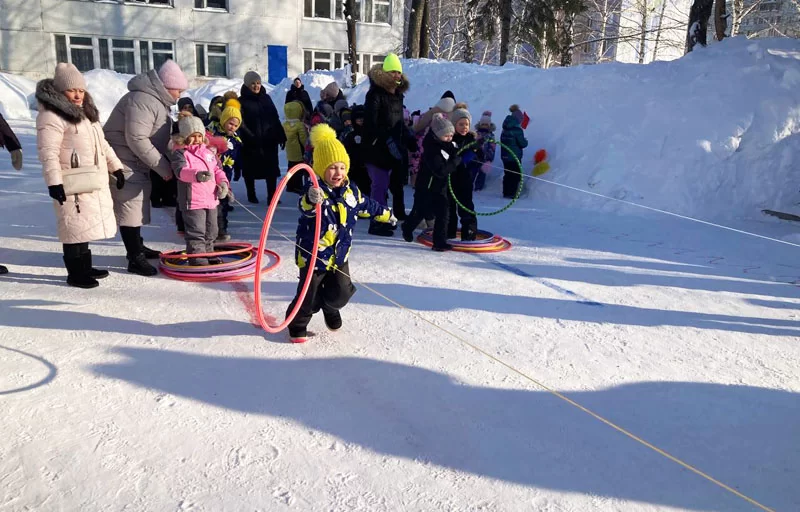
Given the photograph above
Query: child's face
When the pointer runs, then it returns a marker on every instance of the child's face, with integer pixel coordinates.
(231, 125)
(335, 174)
(195, 138)
(360, 121)
(462, 126)
(348, 123)
(447, 138)
(187, 108)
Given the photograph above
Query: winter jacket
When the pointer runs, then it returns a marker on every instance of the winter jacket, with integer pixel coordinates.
(512, 137)
(295, 130)
(187, 162)
(138, 130)
(439, 160)
(300, 94)
(486, 149)
(358, 172)
(341, 208)
(64, 130)
(231, 163)
(470, 157)
(7, 137)
(383, 120)
(261, 133)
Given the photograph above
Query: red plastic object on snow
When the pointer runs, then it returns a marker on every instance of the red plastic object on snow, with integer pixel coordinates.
(540, 156)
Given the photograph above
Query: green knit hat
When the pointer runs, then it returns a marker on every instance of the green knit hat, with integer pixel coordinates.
(392, 63)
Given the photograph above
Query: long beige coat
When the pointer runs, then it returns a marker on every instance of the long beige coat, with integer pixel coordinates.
(61, 129)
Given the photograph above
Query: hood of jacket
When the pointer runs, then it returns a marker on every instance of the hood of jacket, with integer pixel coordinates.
(50, 99)
(149, 83)
(382, 79)
(511, 122)
(293, 110)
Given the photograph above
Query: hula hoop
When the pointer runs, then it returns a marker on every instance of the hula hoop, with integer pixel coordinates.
(239, 247)
(243, 264)
(513, 199)
(273, 329)
(224, 276)
(490, 242)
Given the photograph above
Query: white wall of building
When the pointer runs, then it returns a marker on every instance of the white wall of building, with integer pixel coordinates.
(28, 32)
(673, 30)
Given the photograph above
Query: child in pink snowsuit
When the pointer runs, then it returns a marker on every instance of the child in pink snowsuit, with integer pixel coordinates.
(201, 183)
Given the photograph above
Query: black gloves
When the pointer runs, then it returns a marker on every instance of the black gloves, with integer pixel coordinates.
(120, 179)
(57, 193)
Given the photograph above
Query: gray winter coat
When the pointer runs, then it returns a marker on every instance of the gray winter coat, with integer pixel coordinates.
(138, 130)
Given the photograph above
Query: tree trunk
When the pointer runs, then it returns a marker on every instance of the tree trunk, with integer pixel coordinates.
(425, 35)
(736, 17)
(352, 54)
(658, 30)
(698, 23)
(567, 36)
(720, 21)
(505, 29)
(414, 29)
(601, 44)
(643, 10)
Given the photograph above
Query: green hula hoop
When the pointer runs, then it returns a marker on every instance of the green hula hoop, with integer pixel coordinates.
(513, 199)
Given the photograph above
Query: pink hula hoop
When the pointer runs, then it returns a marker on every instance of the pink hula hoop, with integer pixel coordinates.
(273, 329)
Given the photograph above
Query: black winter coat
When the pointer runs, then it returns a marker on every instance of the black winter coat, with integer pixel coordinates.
(439, 160)
(300, 94)
(7, 137)
(383, 119)
(261, 134)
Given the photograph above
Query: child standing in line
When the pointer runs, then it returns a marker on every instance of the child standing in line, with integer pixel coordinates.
(461, 179)
(342, 205)
(296, 139)
(352, 143)
(230, 120)
(486, 150)
(515, 140)
(431, 197)
(201, 183)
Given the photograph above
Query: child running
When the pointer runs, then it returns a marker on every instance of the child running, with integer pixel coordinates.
(342, 205)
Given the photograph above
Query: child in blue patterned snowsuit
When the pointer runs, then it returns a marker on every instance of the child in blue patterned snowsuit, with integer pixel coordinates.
(342, 205)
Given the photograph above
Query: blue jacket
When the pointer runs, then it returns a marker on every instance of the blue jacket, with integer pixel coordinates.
(231, 163)
(512, 137)
(341, 208)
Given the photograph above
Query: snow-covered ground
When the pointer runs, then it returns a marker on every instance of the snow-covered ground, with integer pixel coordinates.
(152, 394)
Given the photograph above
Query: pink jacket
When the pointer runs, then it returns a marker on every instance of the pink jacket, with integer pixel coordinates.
(187, 162)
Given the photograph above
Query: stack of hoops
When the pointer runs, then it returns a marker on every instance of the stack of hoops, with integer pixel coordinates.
(239, 261)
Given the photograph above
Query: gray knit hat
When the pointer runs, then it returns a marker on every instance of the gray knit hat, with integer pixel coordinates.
(251, 77)
(460, 113)
(68, 77)
(441, 126)
(188, 125)
(446, 104)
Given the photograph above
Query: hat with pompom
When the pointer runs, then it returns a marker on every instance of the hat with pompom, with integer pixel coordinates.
(327, 149)
(459, 113)
(516, 112)
(486, 118)
(441, 126)
(232, 110)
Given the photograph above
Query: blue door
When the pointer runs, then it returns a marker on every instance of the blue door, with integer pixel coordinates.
(277, 64)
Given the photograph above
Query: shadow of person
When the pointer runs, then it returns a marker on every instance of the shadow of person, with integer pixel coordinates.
(744, 436)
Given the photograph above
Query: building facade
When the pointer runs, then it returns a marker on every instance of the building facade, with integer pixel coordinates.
(208, 38)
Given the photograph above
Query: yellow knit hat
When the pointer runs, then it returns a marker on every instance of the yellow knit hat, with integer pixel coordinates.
(392, 63)
(230, 111)
(327, 149)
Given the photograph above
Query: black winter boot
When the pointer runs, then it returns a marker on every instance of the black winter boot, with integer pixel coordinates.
(96, 273)
(77, 274)
(333, 320)
(150, 254)
(138, 264)
(3, 269)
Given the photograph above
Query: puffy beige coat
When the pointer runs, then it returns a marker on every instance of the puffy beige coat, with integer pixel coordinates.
(61, 129)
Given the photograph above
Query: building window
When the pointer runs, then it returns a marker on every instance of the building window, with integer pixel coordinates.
(328, 60)
(369, 11)
(120, 55)
(211, 59)
(377, 11)
(150, 2)
(221, 5)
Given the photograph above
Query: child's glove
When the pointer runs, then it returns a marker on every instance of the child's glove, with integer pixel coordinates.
(203, 176)
(394, 150)
(120, 176)
(392, 220)
(315, 195)
(486, 167)
(222, 190)
(57, 193)
(467, 157)
(16, 159)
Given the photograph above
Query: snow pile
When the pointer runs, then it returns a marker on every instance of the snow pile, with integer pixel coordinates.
(712, 135)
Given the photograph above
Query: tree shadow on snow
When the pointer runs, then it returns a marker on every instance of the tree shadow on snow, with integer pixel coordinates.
(30, 314)
(744, 436)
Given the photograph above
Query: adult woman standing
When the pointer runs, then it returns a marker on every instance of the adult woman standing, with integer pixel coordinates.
(298, 93)
(138, 130)
(261, 133)
(76, 163)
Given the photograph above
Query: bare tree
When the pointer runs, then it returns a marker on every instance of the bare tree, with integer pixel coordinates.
(425, 32)
(720, 20)
(352, 54)
(698, 23)
(415, 28)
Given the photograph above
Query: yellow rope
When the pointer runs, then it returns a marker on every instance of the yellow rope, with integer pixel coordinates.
(536, 382)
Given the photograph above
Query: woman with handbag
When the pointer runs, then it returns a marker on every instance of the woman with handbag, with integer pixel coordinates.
(78, 165)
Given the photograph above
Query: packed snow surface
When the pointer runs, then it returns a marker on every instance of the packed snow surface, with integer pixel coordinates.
(153, 394)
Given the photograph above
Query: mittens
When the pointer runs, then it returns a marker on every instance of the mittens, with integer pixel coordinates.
(315, 195)
(203, 176)
(393, 149)
(57, 193)
(222, 190)
(467, 157)
(393, 220)
(120, 179)
(16, 159)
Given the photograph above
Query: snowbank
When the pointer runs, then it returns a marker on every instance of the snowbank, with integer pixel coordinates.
(712, 135)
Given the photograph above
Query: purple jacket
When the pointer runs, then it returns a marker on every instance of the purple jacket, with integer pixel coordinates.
(187, 162)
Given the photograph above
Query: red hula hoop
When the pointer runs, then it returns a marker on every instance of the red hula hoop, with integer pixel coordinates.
(273, 329)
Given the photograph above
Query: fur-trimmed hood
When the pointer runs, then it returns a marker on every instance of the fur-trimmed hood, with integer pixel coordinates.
(50, 99)
(382, 79)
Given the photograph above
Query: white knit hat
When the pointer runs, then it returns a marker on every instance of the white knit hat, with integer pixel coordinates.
(446, 104)
(188, 125)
